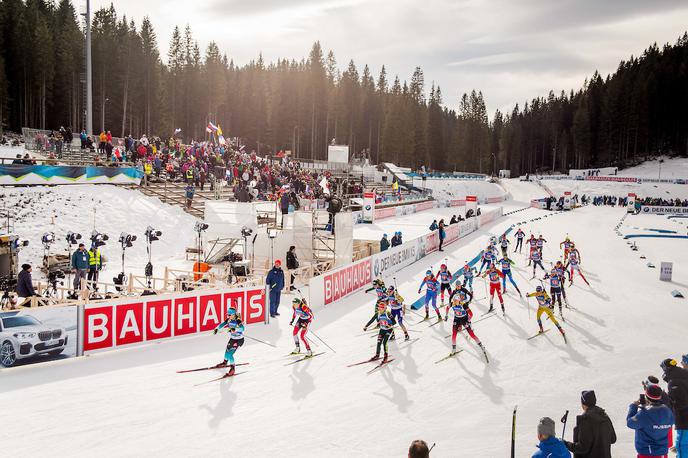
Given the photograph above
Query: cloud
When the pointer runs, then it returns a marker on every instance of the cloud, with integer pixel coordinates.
(511, 50)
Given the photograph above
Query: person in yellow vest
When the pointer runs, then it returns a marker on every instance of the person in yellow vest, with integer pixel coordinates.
(95, 263)
(102, 140)
(147, 171)
(189, 175)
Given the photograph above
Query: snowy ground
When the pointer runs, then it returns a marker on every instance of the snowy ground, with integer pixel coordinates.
(458, 189)
(670, 168)
(131, 402)
(109, 209)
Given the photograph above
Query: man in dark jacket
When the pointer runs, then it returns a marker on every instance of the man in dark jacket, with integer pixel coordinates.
(80, 265)
(594, 433)
(292, 263)
(384, 243)
(677, 388)
(25, 283)
(275, 282)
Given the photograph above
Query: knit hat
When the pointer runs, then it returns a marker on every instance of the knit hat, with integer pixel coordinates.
(546, 427)
(653, 393)
(667, 363)
(588, 398)
(26, 266)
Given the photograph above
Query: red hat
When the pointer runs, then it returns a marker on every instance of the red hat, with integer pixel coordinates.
(278, 262)
(653, 393)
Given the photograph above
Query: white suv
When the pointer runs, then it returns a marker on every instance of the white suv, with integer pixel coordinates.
(23, 336)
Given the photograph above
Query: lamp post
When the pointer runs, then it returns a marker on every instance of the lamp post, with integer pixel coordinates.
(105, 100)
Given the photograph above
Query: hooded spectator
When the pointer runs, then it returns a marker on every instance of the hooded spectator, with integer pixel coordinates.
(384, 243)
(677, 388)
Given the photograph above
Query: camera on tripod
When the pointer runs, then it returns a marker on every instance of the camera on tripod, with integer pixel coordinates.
(55, 275)
(200, 226)
(98, 239)
(8, 283)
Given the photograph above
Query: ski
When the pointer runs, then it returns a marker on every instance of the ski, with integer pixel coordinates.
(513, 433)
(304, 358)
(563, 334)
(450, 355)
(384, 363)
(208, 368)
(487, 359)
(538, 334)
(436, 322)
(371, 360)
(485, 316)
(220, 378)
(488, 312)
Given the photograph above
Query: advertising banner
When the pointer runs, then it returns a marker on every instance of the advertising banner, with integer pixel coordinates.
(419, 207)
(19, 174)
(471, 203)
(613, 178)
(652, 210)
(567, 200)
(630, 203)
(339, 283)
(665, 271)
(105, 326)
(368, 207)
(382, 213)
(35, 335)
(394, 259)
(457, 202)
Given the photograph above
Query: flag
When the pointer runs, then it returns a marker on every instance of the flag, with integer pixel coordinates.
(219, 130)
(325, 185)
(221, 140)
(176, 131)
(212, 127)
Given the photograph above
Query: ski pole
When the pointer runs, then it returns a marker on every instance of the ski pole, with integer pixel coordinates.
(318, 337)
(563, 420)
(433, 446)
(261, 341)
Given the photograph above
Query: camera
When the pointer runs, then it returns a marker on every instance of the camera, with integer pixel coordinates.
(98, 239)
(641, 400)
(120, 281)
(72, 238)
(54, 276)
(126, 239)
(200, 226)
(8, 283)
(246, 231)
(149, 270)
(152, 235)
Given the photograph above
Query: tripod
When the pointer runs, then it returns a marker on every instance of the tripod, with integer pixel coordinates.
(5, 300)
(149, 266)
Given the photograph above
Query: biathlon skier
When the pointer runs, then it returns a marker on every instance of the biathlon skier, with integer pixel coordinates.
(303, 316)
(386, 323)
(506, 263)
(495, 277)
(545, 306)
(396, 303)
(520, 235)
(445, 277)
(431, 286)
(235, 327)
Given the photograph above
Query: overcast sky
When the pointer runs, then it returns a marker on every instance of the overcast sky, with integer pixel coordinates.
(512, 50)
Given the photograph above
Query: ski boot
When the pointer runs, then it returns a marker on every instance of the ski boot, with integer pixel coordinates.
(296, 350)
(427, 315)
(406, 337)
(446, 316)
(439, 317)
(222, 364)
(453, 350)
(375, 358)
(231, 370)
(491, 309)
(503, 311)
(385, 359)
(309, 353)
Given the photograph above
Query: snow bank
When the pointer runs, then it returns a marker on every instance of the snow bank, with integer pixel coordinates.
(671, 168)
(446, 189)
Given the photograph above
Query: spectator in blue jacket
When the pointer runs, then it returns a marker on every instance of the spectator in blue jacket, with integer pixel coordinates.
(442, 233)
(651, 422)
(80, 265)
(549, 446)
(384, 243)
(275, 281)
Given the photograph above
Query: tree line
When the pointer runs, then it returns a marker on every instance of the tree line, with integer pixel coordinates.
(303, 105)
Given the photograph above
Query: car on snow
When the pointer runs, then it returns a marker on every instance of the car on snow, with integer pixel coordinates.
(23, 336)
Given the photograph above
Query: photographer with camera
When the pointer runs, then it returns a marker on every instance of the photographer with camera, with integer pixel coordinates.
(25, 285)
(80, 265)
(651, 421)
(292, 263)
